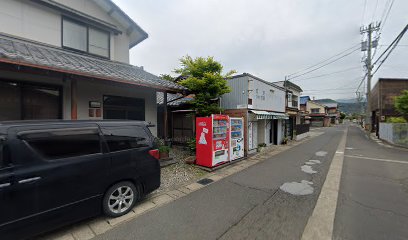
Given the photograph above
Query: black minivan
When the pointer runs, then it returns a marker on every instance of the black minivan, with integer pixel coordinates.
(53, 173)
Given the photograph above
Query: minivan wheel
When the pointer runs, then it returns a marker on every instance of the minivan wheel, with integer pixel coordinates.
(120, 199)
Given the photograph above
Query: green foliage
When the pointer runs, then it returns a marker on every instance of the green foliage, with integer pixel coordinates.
(396, 120)
(342, 115)
(206, 81)
(191, 144)
(164, 149)
(167, 77)
(401, 103)
(262, 145)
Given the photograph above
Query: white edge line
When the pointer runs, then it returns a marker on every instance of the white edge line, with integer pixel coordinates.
(377, 159)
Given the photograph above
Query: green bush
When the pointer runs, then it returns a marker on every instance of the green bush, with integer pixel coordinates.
(396, 120)
(191, 144)
(164, 149)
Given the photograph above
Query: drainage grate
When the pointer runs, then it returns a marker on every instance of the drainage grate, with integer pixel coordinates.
(205, 181)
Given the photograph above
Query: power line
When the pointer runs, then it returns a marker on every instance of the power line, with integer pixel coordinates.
(393, 44)
(392, 49)
(327, 74)
(364, 10)
(321, 62)
(328, 63)
(375, 10)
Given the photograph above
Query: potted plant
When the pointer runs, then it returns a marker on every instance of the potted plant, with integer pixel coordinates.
(285, 140)
(164, 151)
(261, 146)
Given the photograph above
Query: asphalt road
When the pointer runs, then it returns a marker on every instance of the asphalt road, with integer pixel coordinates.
(246, 205)
(373, 196)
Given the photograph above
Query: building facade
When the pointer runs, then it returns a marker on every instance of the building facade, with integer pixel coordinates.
(261, 104)
(318, 114)
(382, 100)
(292, 108)
(69, 59)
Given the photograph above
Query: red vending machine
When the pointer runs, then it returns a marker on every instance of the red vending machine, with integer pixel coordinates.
(212, 140)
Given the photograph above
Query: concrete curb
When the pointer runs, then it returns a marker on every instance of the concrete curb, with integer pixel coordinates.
(86, 231)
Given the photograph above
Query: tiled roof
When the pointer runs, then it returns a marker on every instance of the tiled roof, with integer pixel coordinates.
(173, 99)
(37, 55)
(327, 102)
(304, 99)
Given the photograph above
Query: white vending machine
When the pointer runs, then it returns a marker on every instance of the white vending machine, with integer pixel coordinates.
(236, 138)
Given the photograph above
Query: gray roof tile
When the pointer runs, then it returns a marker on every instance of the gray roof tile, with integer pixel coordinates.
(58, 59)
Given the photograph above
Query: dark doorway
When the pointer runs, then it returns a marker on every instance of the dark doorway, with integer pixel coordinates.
(115, 107)
(25, 101)
(275, 132)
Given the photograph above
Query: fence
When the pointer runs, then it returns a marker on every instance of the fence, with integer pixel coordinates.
(395, 133)
(302, 128)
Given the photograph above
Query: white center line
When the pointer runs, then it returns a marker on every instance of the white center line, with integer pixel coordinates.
(321, 222)
(377, 159)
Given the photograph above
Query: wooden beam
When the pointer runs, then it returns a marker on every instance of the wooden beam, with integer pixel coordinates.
(165, 124)
(74, 106)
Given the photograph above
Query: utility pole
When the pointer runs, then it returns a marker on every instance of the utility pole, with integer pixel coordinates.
(369, 30)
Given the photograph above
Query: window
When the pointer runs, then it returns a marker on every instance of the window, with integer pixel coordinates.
(84, 38)
(64, 143)
(249, 101)
(123, 138)
(294, 101)
(2, 151)
(315, 110)
(22, 101)
(115, 107)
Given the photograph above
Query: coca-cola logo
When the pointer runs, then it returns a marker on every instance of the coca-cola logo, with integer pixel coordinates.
(202, 124)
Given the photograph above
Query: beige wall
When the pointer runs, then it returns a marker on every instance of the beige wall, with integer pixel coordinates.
(25, 19)
(310, 105)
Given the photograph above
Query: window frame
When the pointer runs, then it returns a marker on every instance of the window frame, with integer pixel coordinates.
(105, 129)
(87, 26)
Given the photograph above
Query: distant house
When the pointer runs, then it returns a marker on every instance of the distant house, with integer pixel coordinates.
(70, 60)
(332, 109)
(318, 114)
(261, 104)
(382, 99)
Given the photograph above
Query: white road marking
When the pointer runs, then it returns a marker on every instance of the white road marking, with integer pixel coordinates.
(377, 159)
(315, 161)
(321, 153)
(349, 148)
(321, 222)
(339, 152)
(308, 169)
(295, 188)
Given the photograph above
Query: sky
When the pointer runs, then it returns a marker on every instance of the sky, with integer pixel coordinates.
(271, 39)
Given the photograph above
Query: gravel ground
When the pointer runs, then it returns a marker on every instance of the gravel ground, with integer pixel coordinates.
(178, 174)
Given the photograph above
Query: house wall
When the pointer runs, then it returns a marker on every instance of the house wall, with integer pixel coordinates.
(310, 105)
(95, 90)
(265, 96)
(29, 20)
(238, 97)
(90, 90)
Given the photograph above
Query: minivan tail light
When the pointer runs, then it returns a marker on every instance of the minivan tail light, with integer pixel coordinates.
(155, 153)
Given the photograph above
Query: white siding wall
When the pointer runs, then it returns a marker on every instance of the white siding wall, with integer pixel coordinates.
(25, 19)
(265, 99)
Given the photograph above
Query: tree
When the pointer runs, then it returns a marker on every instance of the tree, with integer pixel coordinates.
(167, 77)
(401, 103)
(204, 79)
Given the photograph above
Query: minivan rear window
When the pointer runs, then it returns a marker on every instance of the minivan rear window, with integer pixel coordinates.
(64, 143)
(122, 138)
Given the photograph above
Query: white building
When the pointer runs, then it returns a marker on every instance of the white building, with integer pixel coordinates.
(69, 59)
(261, 104)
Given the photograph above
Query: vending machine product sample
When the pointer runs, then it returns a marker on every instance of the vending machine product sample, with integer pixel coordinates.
(236, 138)
(212, 140)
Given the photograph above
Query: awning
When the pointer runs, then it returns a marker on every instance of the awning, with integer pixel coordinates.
(269, 115)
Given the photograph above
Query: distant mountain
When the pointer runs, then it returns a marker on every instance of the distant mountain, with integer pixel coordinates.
(351, 107)
(348, 100)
